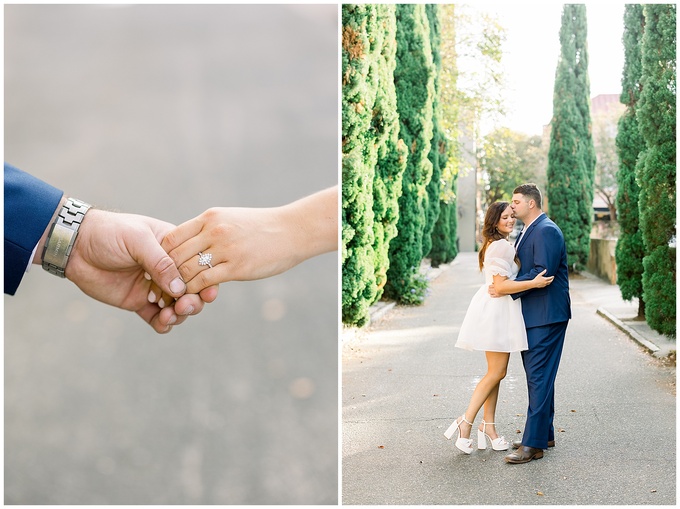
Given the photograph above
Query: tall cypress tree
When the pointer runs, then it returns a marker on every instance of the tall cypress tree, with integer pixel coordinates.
(391, 150)
(571, 158)
(373, 156)
(656, 168)
(414, 82)
(437, 155)
(358, 161)
(629, 142)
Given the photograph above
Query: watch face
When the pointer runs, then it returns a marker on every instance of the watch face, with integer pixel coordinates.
(57, 245)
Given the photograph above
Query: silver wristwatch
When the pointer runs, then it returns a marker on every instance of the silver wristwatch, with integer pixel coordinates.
(62, 236)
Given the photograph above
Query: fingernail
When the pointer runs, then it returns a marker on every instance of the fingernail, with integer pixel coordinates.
(189, 310)
(172, 320)
(177, 285)
(161, 303)
(147, 276)
(152, 296)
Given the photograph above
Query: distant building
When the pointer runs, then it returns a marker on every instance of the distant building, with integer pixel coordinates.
(605, 112)
(605, 103)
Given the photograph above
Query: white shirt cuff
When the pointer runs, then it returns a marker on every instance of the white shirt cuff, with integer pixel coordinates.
(30, 260)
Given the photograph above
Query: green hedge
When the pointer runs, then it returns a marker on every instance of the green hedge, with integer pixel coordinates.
(373, 156)
(392, 144)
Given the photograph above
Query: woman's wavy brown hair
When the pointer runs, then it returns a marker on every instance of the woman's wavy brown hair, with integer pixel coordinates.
(489, 231)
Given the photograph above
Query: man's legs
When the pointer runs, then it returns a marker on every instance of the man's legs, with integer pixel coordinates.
(541, 361)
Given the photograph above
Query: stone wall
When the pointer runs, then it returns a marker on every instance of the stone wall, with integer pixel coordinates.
(602, 259)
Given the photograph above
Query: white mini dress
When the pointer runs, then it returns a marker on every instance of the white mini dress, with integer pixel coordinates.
(494, 324)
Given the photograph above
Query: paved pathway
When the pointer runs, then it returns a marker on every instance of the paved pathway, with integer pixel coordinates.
(403, 384)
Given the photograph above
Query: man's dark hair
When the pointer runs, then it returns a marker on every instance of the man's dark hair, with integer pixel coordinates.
(531, 191)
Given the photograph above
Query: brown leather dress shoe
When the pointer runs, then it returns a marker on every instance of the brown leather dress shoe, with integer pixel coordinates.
(524, 455)
(516, 444)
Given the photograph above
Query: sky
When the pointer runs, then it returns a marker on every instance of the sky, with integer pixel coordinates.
(532, 49)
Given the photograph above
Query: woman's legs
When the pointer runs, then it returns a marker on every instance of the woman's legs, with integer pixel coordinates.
(490, 413)
(486, 393)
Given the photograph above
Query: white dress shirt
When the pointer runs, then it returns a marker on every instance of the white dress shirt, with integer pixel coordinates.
(526, 227)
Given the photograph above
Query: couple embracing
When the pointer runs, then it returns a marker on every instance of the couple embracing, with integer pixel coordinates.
(524, 306)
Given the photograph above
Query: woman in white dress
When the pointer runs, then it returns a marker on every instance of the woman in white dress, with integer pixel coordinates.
(493, 325)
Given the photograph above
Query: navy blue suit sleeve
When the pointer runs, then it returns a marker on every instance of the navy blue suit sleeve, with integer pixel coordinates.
(30, 203)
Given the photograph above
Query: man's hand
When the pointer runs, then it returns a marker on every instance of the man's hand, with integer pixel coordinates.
(108, 261)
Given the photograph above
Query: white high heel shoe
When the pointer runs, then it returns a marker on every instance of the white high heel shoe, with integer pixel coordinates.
(497, 444)
(464, 444)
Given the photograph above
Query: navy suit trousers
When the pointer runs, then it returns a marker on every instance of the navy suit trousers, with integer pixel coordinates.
(541, 361)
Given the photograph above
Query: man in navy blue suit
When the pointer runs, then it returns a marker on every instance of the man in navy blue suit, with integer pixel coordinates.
(106, 254)
(540, 245)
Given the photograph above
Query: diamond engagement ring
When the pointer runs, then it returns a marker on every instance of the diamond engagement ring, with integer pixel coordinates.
(204, 259)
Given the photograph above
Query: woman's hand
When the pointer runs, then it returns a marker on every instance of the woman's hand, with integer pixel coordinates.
(541, 281)
(251, 243)
(245, 244)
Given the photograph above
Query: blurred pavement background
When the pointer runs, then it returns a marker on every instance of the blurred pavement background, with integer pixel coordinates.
(167, 110)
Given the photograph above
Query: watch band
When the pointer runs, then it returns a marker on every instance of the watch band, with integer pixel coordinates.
(62, 236)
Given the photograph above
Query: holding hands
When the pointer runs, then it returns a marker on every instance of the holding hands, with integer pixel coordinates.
(109, 259)
(166, 273)
(161, 272)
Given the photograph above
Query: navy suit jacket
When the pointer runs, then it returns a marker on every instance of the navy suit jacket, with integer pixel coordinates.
(30, 204)
(542, 247)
